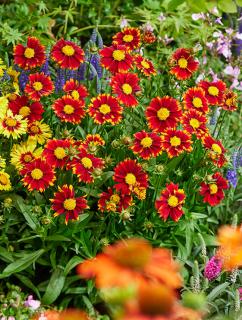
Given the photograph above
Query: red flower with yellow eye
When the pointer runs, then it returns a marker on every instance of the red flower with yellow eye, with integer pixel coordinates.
(38, 175)
(39, 85)
(67, 54)
(30, 110)
(144, 65)
(214, 91)
(66, 203)
(194, 122)
(146, 144)
(129, 37)
(56, 152)
(163, 113)
(170, 202)
(229, 101)
(69, 110)
(175, 142)
(116, 59)
(125, 86)
(30, 56)
(194, 98)
(183, 64)
(215, 150)
(92, 141)
(129, 176)
(112, 201)
(212, 191)
(75, 90)
(105, 109)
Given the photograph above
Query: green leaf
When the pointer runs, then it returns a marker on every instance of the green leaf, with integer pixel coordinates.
(72, 264)
(55, 286)
(57, 237)
(25, 210)
(5, 255)
(228, 6)
(173, 4)
(239, 3)
(216, 291)
(25, 280)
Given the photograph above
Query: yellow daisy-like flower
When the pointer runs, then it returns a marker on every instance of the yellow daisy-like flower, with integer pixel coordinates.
(23, 153)
(2, 163)
(3, 106)
(13, 74)
(39, 132)
(2, 67)
(5, 183)
(12, 125)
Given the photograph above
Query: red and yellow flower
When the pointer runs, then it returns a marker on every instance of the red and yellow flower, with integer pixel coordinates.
(92, 141)
(144, 65)
(214, 91)
(148, 37)
(175, 142)
(194, 98)
(194, 122)
(67, 54)
(183, 64)
(5, 183)
(30, 56)
(12, 125)
(56, 152)
(116, 59)
(66, 203)
(129, 37)
(76, 90)
(125, 86)
(38, 175)
(105, 109)
(163, 113)
(212, 190)
(39, 85)
(39, 132)
(146, 144)
(69, 109)
(229, 101)
(215, 150)
(112, 201)
(170, 202)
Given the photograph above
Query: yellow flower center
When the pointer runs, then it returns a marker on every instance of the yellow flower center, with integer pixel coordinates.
(104, 109)
(10, 122)
(127, 89)
(34, 129)
(163, 113)
(175, 141)
(38, 86)
(197, 102)
(29, 53)
(229, 102)
(145, 64)
(213, 91)
(130, 179)
(173, 201)
(118, 55)
(69, 204)
(68, 50)
(27, 158)
(37, 174)
(194, 123)
(128, 38)
(182, 62)
(115, 198)
(68, 109)
(60, 153)
(3, 179)
(146, 142)
(24, 111)
(216, 148)
(75, 95)
(87, 163)
(213, 188)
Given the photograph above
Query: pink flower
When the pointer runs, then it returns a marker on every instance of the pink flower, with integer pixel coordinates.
(31, 303)
(161, 17)
(230, 71)
(124, 23)
(213, 268)
(197, 16)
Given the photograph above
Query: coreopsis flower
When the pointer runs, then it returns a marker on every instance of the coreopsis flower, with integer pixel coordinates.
(47, 315)
(39, 132)
(13, 125)
(170, 202)
(116, 59)
(163, 113)
(38, 86)
(92, 142)
(3, 67)
(144, 65)
(56, 152)
(14, 74)
(213, 268)
(27, 109)
(229, 101)
(129, 175)
(76, 90)
(23, 153)
(148, 37)
(5, 183)
(215, 150)
(175, 142)
(129, 37)
(112, 201)
(4, 106)
(212, 191)
(72, 314)
(69, 109)
(194, 122)
(67, 54)
(183, 64)
(194, 98)
(146, 144)
(125, 86)
(105, 109)
(65, 202)
(30, 56)
(214, 91)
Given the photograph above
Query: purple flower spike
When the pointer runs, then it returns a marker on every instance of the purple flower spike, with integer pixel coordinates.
(213, 268)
